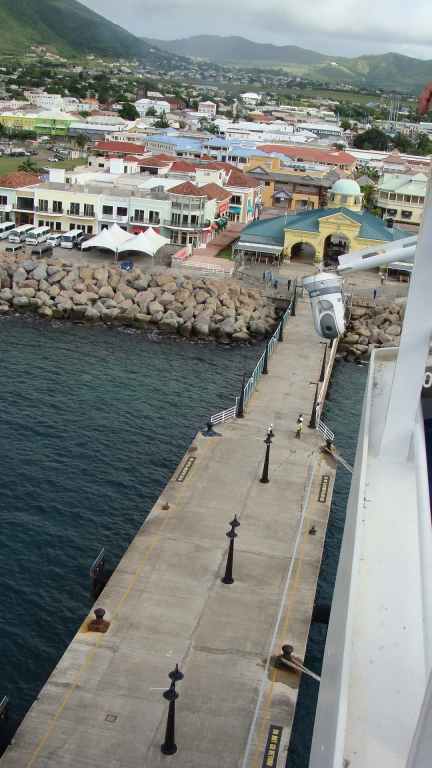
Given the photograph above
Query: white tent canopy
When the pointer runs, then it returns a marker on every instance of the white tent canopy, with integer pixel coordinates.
(156, 240)
(139, 243)
(111, 238)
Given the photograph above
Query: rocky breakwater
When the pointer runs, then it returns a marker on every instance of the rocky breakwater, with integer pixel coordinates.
(371, 328)
(178, 304)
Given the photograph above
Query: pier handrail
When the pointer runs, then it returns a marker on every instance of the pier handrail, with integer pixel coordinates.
(253, 380)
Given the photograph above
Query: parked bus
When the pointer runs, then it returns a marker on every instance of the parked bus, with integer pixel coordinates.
(38, 235)
(19, 234)
(5, 228)
(69, 238)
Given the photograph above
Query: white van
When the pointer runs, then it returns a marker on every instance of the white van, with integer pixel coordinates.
(12, 249)
(5, 228)
(38, 235)
(19, 234)
(54, 238)
(69, 238)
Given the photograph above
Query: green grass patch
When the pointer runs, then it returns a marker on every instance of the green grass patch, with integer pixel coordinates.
(225, 254)
(11, 164)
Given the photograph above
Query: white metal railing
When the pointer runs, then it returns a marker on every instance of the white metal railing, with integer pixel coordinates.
(224, 415)
(325, 431)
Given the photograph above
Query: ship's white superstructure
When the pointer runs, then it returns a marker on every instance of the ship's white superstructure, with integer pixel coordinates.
(375, 699)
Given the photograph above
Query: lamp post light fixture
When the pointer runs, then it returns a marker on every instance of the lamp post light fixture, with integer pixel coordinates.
(265, 477)
(313, 419)
(169, 747)
(323, 367)
(228, 578)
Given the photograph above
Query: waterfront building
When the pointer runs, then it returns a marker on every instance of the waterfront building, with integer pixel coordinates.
(313, 235)
(290, 186)
(344, 161)
(401, 197)
(10, 184)
(18, 120)
(53, 122)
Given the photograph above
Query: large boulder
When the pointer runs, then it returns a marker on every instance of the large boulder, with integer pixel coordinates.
(29, 265)
(155, 307)
(56, 277)
(201, 296)
(20, 302)
(86, 273)
(29, 292)
(182, 295)
(19, 275)
(133, 310)
(394, 330)
(165, 299)
(240, 336)
(101, 275)
(258, 328)
(351, 338)
(384, 338)
(168, 324)
(141, 284)
(125, 305)
(106, 292)
(45, 312)
(6, 294)
(78, 312)
(141, 319)
(186, 329)
(40, 273)
(187, 313)
(201, 329)
(108, 315)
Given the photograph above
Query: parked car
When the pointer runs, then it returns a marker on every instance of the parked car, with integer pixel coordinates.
(44, 169)
(81, 243)
(33, 152)
(127, 265)
(54, 239)
(53, 159)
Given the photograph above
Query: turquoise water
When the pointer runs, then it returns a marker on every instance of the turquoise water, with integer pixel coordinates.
(93, 422)
(342, 414)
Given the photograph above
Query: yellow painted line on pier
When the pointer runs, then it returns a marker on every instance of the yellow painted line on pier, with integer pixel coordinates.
(115, 612)
(289, 610)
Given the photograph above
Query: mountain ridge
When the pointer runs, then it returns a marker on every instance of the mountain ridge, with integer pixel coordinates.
(390, 71)
(69, 26)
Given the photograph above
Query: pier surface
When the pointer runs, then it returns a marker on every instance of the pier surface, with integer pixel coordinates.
(103, 704)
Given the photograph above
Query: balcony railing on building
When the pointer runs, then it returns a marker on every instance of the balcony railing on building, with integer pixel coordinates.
(24, 206)
(51, 211)
(152, 222)
(82, 214)
(113, 217)
(5, 207)
(186, 225)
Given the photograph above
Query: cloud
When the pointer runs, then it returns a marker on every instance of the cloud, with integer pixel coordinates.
(338, 27)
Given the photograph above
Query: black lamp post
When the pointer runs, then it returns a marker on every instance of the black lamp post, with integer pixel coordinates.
(323, 367)
(240, 407)
(313, 419)
(265, 366)
(280, 336)
(228, 578)
(169, 747)
(293, 310)
(265, 477)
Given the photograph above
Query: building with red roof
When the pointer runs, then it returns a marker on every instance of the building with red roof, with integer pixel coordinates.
(120, 148)
(331, 157)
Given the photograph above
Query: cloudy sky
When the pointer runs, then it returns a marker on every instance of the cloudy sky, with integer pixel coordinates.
(338, 27)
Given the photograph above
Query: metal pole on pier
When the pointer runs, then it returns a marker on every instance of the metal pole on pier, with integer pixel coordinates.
(265, 366)
(265, 477)
(169, 747)
(228, 578)
(323, 367)
(240, 409)
(313, 419)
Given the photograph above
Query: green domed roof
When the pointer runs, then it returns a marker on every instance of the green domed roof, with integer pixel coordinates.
(346, 187)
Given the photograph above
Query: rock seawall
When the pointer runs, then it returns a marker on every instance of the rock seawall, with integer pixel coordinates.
(202, 308)
(373, 327)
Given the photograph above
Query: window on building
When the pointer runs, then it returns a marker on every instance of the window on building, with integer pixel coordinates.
(3, 199)
(40, 223)
(154, 217)
(236, 200)
(43, 205)
(399, 198)
(121, 211)
(58, 226)
(344, 198)
(67, 180)
(185, 219)
(71, 226)
(49, 224)
(406, 214)
(194, 219)
(407, 198)
(267, 183)
(100, 165)
(74, 209)
(383, 195)
(139, 215)
(414, 199)
(392, 196)
(57, 206)
(107, 210)
(89, 229)
(175, 218)
(88, 209)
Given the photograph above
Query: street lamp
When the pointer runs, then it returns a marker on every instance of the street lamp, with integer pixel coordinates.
(313, 419)
(265, 477)
(228, 578)
(169, 747)
(323, 367)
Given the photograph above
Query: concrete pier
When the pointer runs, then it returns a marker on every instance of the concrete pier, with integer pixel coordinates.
(103, 704)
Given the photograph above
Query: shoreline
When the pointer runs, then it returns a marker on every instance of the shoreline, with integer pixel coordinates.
(186, 306)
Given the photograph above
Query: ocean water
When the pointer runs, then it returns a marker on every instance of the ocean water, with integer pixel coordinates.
(93, 422)
(342, 414)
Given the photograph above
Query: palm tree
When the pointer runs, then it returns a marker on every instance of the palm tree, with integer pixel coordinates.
(81, 140)
(28, 165)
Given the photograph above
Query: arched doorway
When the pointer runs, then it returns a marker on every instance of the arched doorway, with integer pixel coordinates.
(335, 245)
(303, 252)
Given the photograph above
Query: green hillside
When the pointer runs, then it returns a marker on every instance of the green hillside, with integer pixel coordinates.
(390, 71)
(235, 48)
(67, 25)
